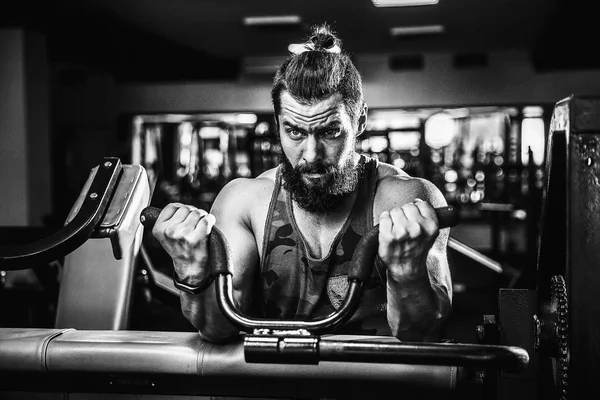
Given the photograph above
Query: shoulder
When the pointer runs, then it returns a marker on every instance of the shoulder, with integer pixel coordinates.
(241, 190)
(396, 188)
(269, 174)
(240, 196)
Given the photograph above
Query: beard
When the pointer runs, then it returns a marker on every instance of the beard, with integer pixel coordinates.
(321, 195)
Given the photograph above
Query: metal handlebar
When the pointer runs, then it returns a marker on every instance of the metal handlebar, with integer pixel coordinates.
(360, 271)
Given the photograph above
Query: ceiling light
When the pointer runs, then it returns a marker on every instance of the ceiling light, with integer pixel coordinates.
(416, 30)
(403, 3)
(272, 20)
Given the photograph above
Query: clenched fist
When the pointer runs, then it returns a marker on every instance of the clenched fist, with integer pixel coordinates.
(183, 232)
(405, 236)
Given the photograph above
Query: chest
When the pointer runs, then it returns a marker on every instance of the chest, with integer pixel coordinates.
(318, 235)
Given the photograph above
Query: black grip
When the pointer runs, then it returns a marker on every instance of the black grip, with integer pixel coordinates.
(362, 261)
(149, 216)
(218, 246)
(366, 250)
(447, 216)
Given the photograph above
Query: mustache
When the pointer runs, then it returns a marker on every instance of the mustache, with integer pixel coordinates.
(315, 168)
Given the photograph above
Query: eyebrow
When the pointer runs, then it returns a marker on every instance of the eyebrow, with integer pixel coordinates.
(331, 125)
(289, 124)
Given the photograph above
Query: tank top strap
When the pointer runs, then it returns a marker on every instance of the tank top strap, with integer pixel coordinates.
(274, 216)
(362, 213)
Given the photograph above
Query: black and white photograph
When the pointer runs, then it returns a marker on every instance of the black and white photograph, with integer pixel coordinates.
(319, 200)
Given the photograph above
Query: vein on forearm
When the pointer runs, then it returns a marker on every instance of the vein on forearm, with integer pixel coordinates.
(416, 308)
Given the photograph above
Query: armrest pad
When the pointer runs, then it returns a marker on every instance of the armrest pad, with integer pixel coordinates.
(184, 354)
(25, 349)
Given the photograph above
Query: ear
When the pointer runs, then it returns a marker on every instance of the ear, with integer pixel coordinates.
(362, 120)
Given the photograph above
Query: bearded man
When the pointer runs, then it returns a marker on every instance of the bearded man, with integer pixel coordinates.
(293, 229)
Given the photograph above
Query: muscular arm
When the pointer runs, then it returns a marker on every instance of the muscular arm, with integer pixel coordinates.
(418, 307)
(419, 288)
(231, 210)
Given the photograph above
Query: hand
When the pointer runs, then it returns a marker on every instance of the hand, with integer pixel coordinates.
(183, 232)
(405, 236)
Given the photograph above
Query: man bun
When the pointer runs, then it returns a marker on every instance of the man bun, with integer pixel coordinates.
(324, 38)
(316, 70)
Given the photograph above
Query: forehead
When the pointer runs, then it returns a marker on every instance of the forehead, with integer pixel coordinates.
(320, 112)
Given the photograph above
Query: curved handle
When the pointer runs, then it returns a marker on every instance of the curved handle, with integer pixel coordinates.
(447, 216)
(362, 260)
(360, 271)
(76, 232)
(259, 348)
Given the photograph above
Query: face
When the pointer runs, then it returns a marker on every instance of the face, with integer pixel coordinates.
(318, 161)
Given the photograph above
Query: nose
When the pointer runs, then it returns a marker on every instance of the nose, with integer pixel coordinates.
(312, 149)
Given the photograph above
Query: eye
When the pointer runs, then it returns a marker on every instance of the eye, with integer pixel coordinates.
(331, 133)
(294, 133)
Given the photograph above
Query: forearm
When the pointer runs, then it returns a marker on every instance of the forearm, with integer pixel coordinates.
(416, 311)
(202, 309)
(204, 314)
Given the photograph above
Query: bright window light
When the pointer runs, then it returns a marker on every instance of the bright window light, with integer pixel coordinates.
(532, 135)
(246, 118)
(402, 141)
(378, 143)
(403, 3)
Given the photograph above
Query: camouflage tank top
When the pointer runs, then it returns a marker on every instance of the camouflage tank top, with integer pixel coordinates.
(296, 286)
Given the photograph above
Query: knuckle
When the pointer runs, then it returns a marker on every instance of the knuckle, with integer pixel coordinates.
(399, 232)
(414, 229)
(174, 206)
(172, 232)
(395, 212)
(430, 226)
(202, 226)
(199, 213)
(409, 206)
(184, 210)
(205, 225)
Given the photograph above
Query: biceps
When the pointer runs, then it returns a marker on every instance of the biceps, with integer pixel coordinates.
(243, 265)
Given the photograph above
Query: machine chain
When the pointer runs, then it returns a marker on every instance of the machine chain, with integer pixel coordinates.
(559, 293)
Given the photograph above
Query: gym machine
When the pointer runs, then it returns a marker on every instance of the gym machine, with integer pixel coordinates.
(542, 344)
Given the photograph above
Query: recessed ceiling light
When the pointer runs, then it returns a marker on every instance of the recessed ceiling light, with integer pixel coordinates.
(272, 20)
(403, 3)
(416, 30)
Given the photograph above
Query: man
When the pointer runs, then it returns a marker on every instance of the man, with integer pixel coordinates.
(293, 229)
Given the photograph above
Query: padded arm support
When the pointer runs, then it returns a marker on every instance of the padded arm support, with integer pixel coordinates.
(51, 351)
(79, 228)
